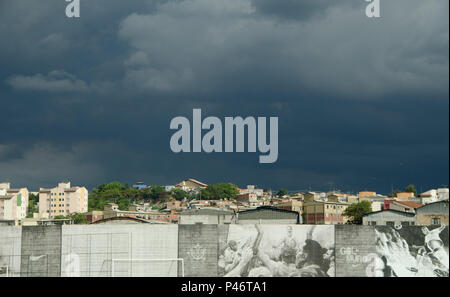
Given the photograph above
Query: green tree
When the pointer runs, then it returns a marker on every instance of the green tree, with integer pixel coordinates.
(78, 218)
(123, 204)
(394, 193)
(179, 194)
(282, 192)
(220, 191)
(105, 193)
(32, 204)
(355, 212)
(412, 189)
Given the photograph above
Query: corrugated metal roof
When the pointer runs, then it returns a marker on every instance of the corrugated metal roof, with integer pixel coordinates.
(206, 211)
(268, 212)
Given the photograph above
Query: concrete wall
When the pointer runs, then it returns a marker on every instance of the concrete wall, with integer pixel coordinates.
(41, 251)
(205, 219)
(136, 250)
(267, 221)
(224, 250)
(355, 250)
(198, 245)
(10, 250)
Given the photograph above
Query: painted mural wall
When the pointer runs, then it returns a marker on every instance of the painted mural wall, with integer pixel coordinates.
(198, 247)
(413, 251)
(355, 251)
(224, 250)
(41, 251)
(277, 250)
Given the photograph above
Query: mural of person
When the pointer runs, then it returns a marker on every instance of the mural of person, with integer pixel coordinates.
(288, 246)
(290, 257)
(230, 257)
(436, 248)
(400, 258)
(329, 262)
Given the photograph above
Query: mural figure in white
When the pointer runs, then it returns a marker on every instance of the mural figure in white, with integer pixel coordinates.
(401, 256)
(72, 265)
(264, 251)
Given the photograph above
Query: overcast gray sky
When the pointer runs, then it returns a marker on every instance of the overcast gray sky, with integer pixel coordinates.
(362, 103)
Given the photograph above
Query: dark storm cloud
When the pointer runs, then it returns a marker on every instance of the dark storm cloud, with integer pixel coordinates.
(301, 10)
(361, 103)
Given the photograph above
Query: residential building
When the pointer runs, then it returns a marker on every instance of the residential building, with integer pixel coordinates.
(251, 189)
(312, 195)
(62, 200)
(367, 194)
(111, 210)
(327, 212)
(434, 195)
(13, 202)
(223, 204)
(442, 194)
(174, 204)
(429, 196)
(191, 184)
(293, 205)
(206, 216)
(405, 206)
(352, 199)
(94, 215)
(169, 188)
(123, 220)
(435, 213)
(248, 199)
(139, 185)
(198, 203)
(389, 217)
(404, 196)
(268, 215)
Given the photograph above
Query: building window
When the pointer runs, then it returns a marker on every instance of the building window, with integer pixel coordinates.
(390, 223)
(435, 221)
(405, 223)
(372, 223)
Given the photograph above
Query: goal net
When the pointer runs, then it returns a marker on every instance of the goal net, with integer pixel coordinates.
(147, 267)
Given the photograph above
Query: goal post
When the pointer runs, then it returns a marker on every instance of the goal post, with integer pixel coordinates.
(162, 265)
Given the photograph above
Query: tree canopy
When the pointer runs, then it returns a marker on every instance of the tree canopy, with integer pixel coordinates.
(123, 195)
(219, 191)
(411, 189)
(282, 192)
(355, 212)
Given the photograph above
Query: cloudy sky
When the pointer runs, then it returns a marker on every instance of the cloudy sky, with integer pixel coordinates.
(361, 103)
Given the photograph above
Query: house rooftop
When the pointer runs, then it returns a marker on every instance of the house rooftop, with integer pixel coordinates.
(409, 214)
(409, 204)
(206, 211)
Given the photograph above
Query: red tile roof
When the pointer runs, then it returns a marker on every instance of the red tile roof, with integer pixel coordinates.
(410, 204)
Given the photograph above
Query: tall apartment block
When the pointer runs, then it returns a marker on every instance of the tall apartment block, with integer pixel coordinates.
(13, 203)
(62, 200)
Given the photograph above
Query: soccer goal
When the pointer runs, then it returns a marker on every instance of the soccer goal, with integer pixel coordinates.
(147, 267)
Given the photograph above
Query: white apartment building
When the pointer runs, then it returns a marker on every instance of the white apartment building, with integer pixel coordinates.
(442, 194)
(62, 200)
(433, 195)
(13, 202)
